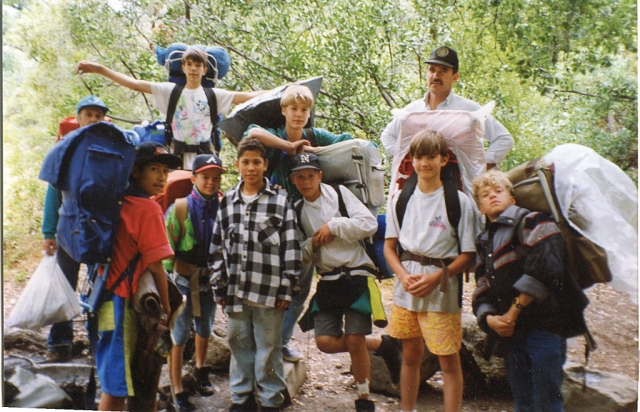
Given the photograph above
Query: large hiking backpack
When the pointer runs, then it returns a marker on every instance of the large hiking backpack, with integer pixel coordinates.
(91, 167)
(372, 246)
(263, 110)
(594, 204)
(357, 165)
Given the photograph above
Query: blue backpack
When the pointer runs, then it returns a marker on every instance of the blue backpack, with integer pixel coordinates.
(91, 167)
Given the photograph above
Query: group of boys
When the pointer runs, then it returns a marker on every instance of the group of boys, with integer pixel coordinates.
(254, 251)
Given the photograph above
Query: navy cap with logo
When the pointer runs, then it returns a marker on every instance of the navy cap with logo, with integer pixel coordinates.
(206, 161)
(445, 56)
(305, 161)
(154, 152)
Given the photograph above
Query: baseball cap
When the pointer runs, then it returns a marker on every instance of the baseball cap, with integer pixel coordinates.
(206, 161)
(445, 56)
(91, 101)
(305, 161)
(154, 152)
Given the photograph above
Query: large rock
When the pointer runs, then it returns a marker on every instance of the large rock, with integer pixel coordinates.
(586, 390)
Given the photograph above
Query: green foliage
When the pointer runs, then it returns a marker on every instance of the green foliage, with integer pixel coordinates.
(559, 71)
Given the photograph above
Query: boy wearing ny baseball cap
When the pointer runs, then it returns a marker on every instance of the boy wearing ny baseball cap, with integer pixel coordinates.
(190, 227)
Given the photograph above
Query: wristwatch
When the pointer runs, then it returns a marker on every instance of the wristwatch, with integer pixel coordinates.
(516, 303)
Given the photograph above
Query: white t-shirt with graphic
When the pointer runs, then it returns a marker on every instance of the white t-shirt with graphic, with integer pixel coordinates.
(192, 120)
(426, 232)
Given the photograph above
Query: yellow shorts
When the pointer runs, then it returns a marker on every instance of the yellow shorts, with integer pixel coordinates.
(441, 331)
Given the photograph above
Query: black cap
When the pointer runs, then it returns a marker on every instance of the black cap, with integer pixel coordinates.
(206, 161)
(305, 161)
(154, 152)
(445, 56)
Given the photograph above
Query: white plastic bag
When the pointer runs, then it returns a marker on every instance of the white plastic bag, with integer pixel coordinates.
(601, 202)
(47, 299)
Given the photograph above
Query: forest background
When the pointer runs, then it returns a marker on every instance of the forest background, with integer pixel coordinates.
(559, 71)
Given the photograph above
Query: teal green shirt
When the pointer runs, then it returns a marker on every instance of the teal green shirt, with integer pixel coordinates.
(281, 173)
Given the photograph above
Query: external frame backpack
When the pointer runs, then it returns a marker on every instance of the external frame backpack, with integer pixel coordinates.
(449, 176)
(382, 271)
(534, 190)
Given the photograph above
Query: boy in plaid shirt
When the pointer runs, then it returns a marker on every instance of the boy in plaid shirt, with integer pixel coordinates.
(256, 262)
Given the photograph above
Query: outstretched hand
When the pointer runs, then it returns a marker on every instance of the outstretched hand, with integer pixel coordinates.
(87, 67)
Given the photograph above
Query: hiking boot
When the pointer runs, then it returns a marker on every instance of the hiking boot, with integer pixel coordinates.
(250, 405)
(59, 353)
(270, 408)
(203, 384)
(391, 352)
(365, 405)
(184, 405)
(290, 354)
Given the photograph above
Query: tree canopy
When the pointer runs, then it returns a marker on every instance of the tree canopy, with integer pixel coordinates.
(560, 71)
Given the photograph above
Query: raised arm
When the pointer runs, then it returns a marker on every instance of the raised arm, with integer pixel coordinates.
(241, 97)
(122, 79)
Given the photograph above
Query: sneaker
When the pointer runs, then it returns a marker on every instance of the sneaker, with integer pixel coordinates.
(203, 384)
(184, 405)
(391, 352)
(365, 405)
(290, 354)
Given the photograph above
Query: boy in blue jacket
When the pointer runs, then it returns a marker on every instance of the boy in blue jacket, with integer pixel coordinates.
(90, 110)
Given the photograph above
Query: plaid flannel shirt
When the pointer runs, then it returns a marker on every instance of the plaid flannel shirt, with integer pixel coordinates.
(255, 255)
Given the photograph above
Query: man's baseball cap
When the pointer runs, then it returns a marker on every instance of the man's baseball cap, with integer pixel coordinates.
(445, 56)
(305, 161)
(154, 152)
(91, 101)
(206, 161)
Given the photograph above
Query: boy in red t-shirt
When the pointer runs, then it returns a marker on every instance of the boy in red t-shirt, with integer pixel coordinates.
(141, 231)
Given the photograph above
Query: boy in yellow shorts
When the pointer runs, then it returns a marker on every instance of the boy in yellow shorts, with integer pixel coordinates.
(425, 299)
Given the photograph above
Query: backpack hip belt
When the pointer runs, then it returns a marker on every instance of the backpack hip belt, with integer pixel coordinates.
(347, 271)
(425, 260)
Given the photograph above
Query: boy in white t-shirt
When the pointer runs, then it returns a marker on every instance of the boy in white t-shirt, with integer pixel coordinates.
(421, 310)
(191, 123)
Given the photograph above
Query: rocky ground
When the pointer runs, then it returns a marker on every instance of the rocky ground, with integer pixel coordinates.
(612, 318)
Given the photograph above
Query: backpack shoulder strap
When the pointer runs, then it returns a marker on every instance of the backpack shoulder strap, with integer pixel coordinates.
(298, 208)
(309, 135)
(404, 197)
(342, 207)
(213, 112)
(181, 210)
(171, 109)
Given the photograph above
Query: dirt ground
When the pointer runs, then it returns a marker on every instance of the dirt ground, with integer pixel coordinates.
(612, 319)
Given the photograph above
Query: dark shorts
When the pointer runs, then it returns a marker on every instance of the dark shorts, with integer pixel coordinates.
(331, 323)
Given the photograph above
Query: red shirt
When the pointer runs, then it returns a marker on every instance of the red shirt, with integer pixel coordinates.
(141, 229)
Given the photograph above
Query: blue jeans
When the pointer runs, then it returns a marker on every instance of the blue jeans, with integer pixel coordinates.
(202, 324)
(296, 307)
(61, 334)
(534, 369)
(256, 355)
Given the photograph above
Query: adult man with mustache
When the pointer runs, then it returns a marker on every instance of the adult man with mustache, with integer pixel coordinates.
(442, 74)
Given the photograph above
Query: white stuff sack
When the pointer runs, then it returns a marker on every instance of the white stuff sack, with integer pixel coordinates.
(47, 299)
(601, 202)
(462, 130)
(357, 165)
